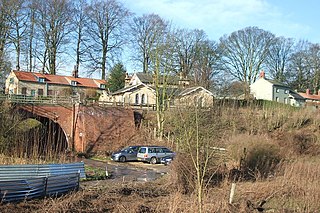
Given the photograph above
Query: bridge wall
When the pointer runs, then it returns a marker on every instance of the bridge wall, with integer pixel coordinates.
(90, 128)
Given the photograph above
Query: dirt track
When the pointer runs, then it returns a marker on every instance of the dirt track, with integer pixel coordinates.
(129, 171)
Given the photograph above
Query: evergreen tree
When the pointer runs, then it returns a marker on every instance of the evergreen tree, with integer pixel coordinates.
(117, 77)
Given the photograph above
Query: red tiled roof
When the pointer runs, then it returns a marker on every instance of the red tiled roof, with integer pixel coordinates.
(310, 96)
(58, 79)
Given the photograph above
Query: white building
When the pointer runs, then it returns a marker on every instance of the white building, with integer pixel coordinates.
(264, 89)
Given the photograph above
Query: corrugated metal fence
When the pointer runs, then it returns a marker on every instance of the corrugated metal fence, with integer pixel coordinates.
(20, 182)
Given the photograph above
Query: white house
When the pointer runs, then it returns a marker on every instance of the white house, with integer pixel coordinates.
(264, 89)
(140, 90)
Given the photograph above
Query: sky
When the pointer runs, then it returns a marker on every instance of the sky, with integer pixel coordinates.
(297, 19)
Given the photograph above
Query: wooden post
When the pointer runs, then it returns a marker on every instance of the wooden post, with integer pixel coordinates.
(233, 189)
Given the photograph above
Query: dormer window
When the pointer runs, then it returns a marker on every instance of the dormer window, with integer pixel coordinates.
(73, 83)
(102, 86)
(41, 80)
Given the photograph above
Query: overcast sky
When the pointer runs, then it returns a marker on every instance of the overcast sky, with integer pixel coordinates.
(298, 19)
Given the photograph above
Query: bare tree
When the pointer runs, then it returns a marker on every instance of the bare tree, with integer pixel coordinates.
(205, 63)
(298, 66)
(277, 60)
(186, 45)
(29, 49)
(196, 136)
(79, 24)
(6, 8)
(162, 66)
(314, 67)
(18, 19)
(53, 21)
(243, 53)
(146, 32)
(106, 30)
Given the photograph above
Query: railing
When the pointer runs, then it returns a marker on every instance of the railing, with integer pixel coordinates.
(20, 182)
(53, 100)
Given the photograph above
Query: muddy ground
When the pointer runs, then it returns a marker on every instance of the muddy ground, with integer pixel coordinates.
(132, 187)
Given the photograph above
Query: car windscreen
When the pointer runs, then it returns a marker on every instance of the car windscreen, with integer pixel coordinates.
(126, 149)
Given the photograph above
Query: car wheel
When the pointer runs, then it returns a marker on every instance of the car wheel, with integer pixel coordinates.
(122, 159)
(153, 160)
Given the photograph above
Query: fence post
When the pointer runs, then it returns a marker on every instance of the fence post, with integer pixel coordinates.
(233, 188)
(78, 187)
(45, 186)
(107, 173)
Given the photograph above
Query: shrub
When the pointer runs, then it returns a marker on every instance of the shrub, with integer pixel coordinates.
(255, 155)
(302, 143)
(262, 159)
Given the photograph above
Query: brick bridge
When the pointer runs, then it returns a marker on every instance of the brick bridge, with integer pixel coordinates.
(88, 128)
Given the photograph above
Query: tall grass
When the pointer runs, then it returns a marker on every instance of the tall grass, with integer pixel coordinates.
(24, 139)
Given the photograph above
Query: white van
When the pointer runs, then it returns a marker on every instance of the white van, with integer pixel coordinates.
(153, 154)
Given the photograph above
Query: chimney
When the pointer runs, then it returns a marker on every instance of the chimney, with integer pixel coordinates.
(262, 74)
(75, 72)
(308, 91)
(127, 80)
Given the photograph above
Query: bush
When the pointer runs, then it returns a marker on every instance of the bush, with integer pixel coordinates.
(255, 155)
(302, 143)
(262, 160)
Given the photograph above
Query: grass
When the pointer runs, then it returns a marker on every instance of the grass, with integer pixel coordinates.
(292, 186)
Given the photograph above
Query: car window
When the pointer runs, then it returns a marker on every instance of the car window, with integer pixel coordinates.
(142, 150)
(152, 150)
(135, 148)
(166, 150)
(159, 150)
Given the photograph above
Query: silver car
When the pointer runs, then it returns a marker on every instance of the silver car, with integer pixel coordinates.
(128, 153)
(153, 154)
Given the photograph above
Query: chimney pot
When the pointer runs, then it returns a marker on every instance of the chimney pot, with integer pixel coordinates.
(262, 74)
(75, 72)
(308, 91)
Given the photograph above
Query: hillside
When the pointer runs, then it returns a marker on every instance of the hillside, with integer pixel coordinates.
(272, 155)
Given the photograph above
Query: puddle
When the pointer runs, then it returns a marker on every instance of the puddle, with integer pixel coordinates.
(126, 173)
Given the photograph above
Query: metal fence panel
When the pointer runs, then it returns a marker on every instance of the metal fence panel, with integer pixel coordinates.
(10, 172)
(17, 190)
(61, 184)
(26, 189)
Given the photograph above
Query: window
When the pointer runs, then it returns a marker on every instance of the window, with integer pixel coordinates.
(285, 100)
(195, 99)
(50, 92)
(142, 150)
(24, 91)
(73, 83)
(33, 92)
(143, 99)
(200, 102)
(41, 80)
(166, 150)
(137, 99)
(286, 91)
(277, 99)
(40, 92)
(159, 150)
(277, 90)
(11, 80)
(152, 150)
(102, 86)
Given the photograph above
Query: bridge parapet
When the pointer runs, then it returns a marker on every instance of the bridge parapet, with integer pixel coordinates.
(50, 100)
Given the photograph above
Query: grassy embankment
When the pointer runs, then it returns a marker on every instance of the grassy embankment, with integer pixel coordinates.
(272, 156)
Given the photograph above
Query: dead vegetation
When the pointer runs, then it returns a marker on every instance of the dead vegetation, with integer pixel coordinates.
(272, 156)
